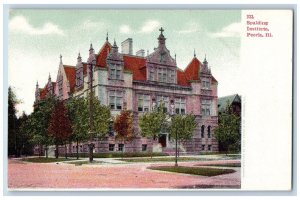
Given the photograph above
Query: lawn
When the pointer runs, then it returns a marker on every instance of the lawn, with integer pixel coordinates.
(83, 162)
(45, 160)
(223, 165)
(202, 171)
(163, 159)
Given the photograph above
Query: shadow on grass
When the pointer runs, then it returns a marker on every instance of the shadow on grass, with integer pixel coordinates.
(45, 160)
(83, 162)
(222, 165)
(202, 171)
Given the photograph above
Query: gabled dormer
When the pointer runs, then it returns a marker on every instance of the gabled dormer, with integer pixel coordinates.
(205, 75)
(161, 67)
(115, 64)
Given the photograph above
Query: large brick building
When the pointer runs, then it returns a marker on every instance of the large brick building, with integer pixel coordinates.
(139, 82)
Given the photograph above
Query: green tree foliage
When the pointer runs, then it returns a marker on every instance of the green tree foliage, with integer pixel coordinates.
(78, 109)
(59, 125)
(228, 131)
(38, 123)
(24, 147)
(78, 114)
(183, 126)
(12, 122)
(151, 123)
(101, 119)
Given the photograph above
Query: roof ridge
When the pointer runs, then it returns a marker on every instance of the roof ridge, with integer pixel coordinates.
(106, 42)
(191, 62)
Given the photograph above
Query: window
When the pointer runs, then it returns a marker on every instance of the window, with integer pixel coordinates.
(172, 76)
(121, 147)
(209, 148)
(205, 84)
(144, 147)
(115, 72)
(203, 147)
(151, 74)
(111, 147)
(208, 132)
(202, 131)
(180, 105)
(164, 101)
(162, 75)
(115, 100)
(206, 106)
(143, 102)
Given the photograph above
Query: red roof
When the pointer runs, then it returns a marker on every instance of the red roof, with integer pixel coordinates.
(192, 70)
(137, 66)
(44, 91)
(102, 55)
(71, 75)
(181, 78)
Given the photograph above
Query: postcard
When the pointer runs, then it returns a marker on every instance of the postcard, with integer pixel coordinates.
(149, 100)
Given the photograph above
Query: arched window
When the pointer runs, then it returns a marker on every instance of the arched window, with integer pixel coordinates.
(202, 131)
(208, 132)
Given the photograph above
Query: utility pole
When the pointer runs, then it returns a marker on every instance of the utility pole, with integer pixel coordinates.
(91, 64)
(176, 136)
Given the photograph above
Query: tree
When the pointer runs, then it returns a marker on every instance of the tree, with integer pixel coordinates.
(100, 123)
(24, 147)
(82, 129)
(78, 114)
(123, 125)
(12, 122)
(182, 128)
(59, 126)
(228, 131)
(151, 123)
(38, 122)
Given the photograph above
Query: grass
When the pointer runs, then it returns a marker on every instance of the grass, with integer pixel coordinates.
(45, 160)
(202, 171)
(223, 165)
(83, 162)
(163, 159)
(120, 154)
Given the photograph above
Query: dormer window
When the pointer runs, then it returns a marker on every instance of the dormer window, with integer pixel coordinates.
(205, 84)
(162, 75)
(116, 72)
(172, 76)
(151, 74)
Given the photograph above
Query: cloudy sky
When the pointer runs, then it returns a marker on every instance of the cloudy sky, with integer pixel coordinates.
(38, 37)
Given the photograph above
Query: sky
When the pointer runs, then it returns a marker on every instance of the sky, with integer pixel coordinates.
(37, 37)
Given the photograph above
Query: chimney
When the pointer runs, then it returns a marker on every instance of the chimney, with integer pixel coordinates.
(126, 46)
(140, 52)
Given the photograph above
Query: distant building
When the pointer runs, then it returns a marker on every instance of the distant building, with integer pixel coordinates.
(232, 100)
(140, 82)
